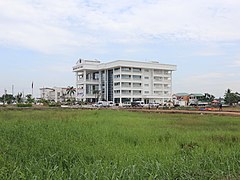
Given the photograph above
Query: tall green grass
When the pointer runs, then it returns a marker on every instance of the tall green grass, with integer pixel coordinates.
(107, 144)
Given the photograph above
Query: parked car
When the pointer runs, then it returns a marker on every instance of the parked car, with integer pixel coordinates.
(153, 105)
(126, 104)
(138, 104)
(110, 104)
(101, 104)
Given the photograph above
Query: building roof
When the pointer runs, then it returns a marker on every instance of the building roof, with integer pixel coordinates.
(197, 94)
(181, 94)
(88, 64)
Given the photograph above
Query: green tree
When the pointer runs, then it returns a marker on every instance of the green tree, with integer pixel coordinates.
(19, 98)
(29, 98)
(231, 98)
(71, 91)
(208, 97)
(7, 98)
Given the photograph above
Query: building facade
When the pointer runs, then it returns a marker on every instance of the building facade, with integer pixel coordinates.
(123, 81)
(57, 94)
(185, 99)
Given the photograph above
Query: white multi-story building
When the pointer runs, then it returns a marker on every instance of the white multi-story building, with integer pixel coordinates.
(123, 81)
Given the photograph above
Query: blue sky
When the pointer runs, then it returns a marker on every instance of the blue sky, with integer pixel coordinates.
(40, 40)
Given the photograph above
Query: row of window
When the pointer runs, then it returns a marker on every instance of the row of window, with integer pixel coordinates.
(138, 77)
(156, 71)
(128, 69)
(128, 84)
(139, 92)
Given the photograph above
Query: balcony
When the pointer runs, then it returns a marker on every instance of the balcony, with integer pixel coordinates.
(116, 71)
(158, 87)
(137, 93)
(116, 77)
(158, 72)
(126, 77)
(126, 86)
(158, 79)
(126, 92)
(116, 87)
(94, 81)
(126, 69)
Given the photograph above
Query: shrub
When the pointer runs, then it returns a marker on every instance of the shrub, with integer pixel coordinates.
(53, 104)
(24, 105)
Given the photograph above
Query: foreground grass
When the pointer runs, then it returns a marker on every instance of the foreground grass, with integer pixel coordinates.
(106, 144)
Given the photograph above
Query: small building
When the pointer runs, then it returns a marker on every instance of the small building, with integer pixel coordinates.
(195, 98)
(57, 94)
(185, 99)
(180, 99)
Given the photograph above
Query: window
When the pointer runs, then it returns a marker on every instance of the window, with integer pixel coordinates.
(126, 76)
(146, 70)
(126, 92)
(157, 71)
(146, 77)
(136, 69)
(165, 92)
(137, 92)
(156, 78)
(136, 77)
(167, 72)
(146, 92)
(158, 85)
(126, 84)
(137, 84)
(127, 69)
(157, 92)
(146, 85)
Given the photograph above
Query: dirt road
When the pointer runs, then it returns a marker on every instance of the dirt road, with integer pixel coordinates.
(222, 113)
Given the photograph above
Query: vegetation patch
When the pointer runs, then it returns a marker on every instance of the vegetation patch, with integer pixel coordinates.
(24, 105)
(107, 144)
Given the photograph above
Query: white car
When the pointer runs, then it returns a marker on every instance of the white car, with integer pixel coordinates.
(154, 105)
(126, 104)
(110, 104)
(101, 104)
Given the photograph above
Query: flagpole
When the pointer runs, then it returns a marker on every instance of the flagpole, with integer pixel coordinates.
(13, 90)
(32, 88)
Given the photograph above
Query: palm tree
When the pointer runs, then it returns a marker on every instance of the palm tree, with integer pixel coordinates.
(71, 91)
(19, 98)
(29, 98)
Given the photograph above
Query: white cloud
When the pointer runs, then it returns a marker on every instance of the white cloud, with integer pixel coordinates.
(62, 26)
(236, 63)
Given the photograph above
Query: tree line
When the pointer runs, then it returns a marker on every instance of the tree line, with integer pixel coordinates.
(230, 97)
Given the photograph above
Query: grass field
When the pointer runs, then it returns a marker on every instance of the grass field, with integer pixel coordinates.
(107, 144)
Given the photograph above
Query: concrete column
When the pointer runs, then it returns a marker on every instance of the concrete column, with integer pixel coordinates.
(84, 85)
(76, 95)
(106, 85)
(120, 86)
